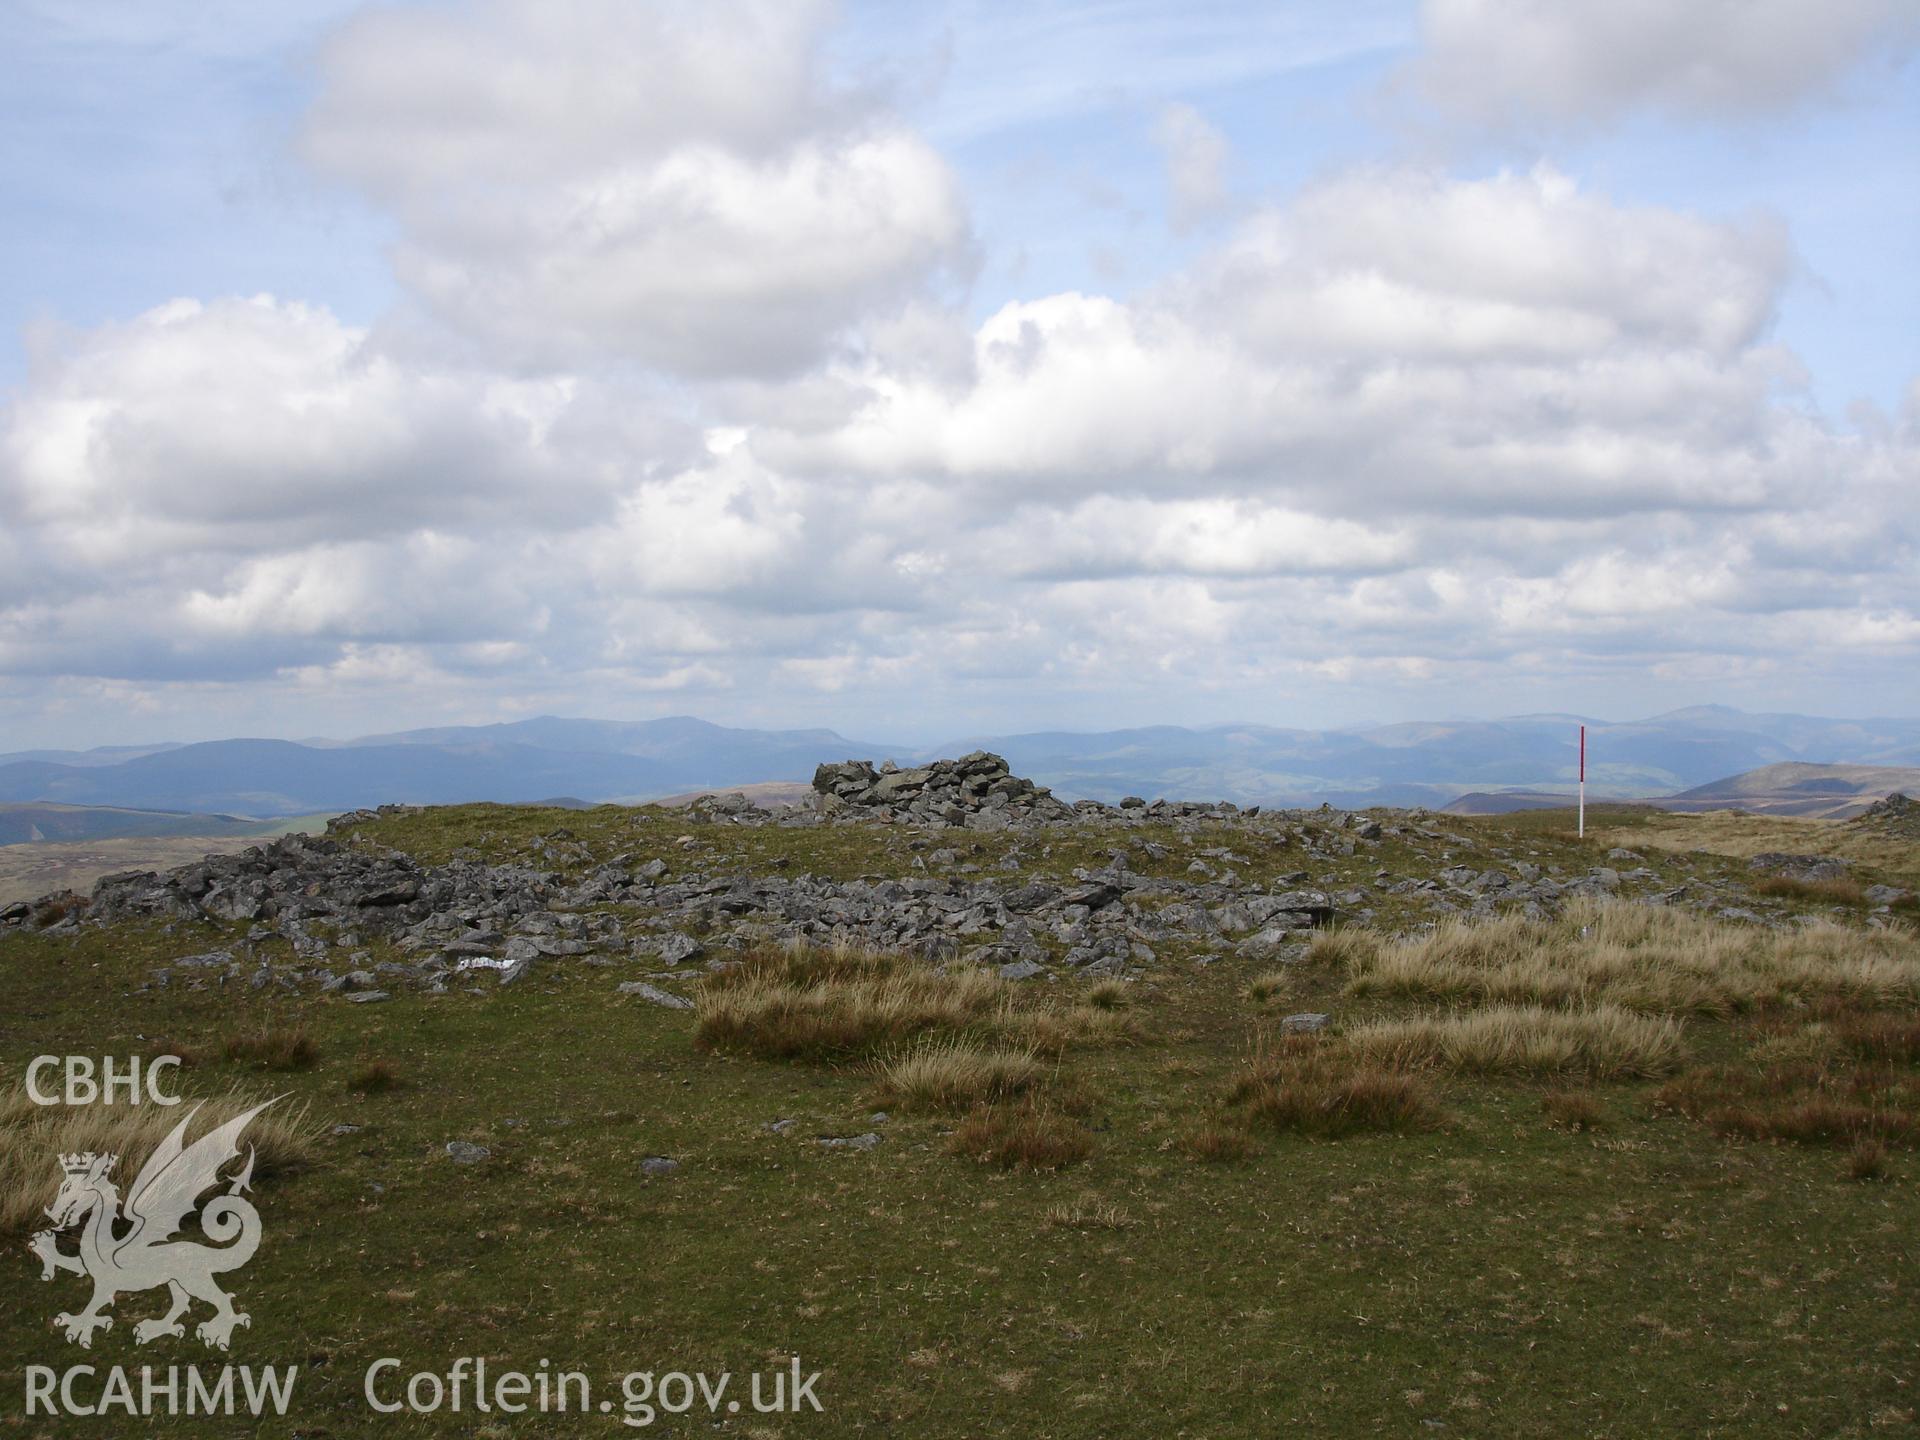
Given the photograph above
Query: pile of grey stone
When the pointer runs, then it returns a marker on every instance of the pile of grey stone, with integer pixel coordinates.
(977, 791)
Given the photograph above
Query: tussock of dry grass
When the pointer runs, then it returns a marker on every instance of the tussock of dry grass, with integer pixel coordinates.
(1087, 1215)
(375, 1077)
(1054, 1030)
(1722, 832)
(1888, 1039)
(839, 1004)
(1218, 1144)
(1812, 1104)
(954, 1075)
(1110, 995)
(1573, 1110)
(1605, 1042)
(803, 1003)
(274, 1049)
(33, 1137)
(1326, 1088)
(1025, 1135)
(1340, 947)
(1263, 988)
(1867, 1161)
(1647, 958)
(1830, 892)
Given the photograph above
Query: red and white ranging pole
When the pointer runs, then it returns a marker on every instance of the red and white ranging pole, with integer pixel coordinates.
(1583, 782)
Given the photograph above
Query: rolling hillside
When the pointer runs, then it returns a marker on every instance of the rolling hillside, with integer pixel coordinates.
(1418, 763)
(32, 823)
(1830, 792)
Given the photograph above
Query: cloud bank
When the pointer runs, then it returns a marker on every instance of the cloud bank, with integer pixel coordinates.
(682, 412)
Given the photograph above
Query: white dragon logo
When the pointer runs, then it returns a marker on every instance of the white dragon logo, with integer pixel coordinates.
(139, 1257)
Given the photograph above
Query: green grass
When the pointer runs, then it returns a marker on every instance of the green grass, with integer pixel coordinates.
(1515, 1271)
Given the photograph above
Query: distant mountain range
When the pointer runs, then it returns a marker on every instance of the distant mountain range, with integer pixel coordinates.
(30, 823)
(1427, 763)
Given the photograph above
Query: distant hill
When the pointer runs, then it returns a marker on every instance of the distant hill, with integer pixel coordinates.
(1505, 802)
(1434, 762)
(1830, 792)
(524, 762)
(29, 823)
(768, 795)
(1430, 763)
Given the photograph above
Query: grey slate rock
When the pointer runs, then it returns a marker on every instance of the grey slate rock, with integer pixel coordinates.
(655, 994)
(850, 1142)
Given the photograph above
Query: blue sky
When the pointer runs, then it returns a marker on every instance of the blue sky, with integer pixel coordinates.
(1513, 356)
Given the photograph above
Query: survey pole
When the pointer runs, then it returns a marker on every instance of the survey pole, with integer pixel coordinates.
(1583, 782)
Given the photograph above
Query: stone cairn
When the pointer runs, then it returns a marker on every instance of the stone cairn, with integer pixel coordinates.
(977, 791)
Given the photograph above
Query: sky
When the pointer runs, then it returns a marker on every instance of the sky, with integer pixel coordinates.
(963, 367)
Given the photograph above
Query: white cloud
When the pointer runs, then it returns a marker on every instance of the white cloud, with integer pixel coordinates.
(1196, 154)
(1410, 264)
(1558, 65)
(673, 184)
(242, 424)
(1508, 345)
(1562, 444)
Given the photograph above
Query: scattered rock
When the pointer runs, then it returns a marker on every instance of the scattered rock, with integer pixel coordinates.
(850, 1142)
(658, 1165)
(465, 1152)
(1304, 1024)
(1800, 867)
(977, 791)
(655, 994)
(676, 949)
(1896, 815)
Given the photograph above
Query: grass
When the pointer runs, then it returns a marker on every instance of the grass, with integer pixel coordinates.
(1087, 1214)
(1889, 1039)
(1263, 988)
(1490, 1271)
(1808, 1103)
(1841, 891)
(841, 1005)
(955, 1075)
(274, 1049)
(1725, 832)
(375, 1077)
(836, 1005)
(1574, 1110)
(1655, 960)
(1219, 1143)
(32, 1137)
(1326, 1088)
(1867, 1160)
(1604, 1042)
(1053, 1030)
(1027, 1134)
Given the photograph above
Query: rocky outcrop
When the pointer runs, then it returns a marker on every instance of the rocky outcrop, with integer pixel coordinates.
(977, 791)
(1897, 815)
(351, 918)
(1810, 868)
